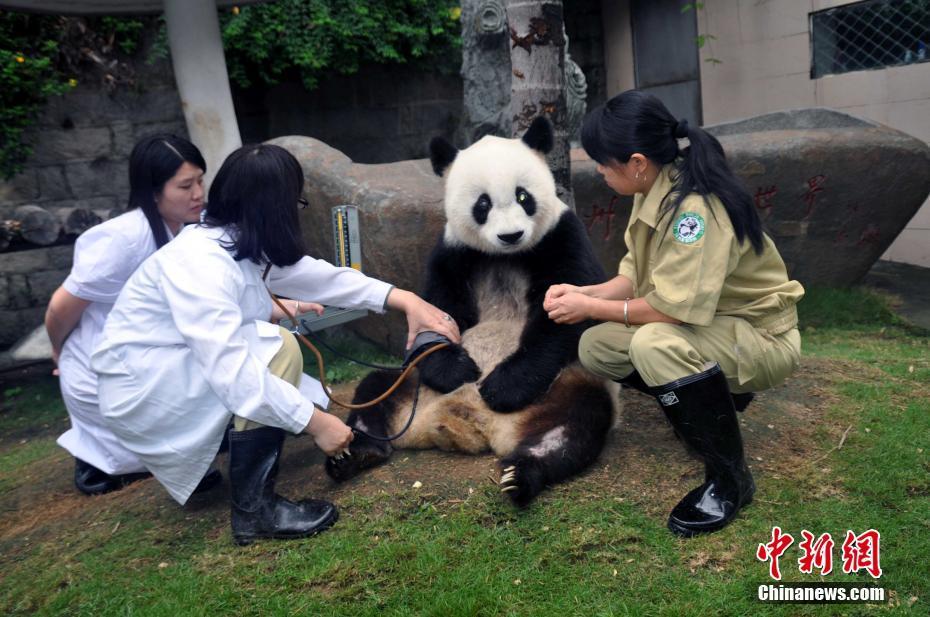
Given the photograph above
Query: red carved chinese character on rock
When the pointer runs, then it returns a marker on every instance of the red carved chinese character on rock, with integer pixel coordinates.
(814, 186)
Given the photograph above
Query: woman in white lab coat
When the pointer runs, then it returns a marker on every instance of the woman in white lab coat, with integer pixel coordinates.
(166, 191)
(189, 344)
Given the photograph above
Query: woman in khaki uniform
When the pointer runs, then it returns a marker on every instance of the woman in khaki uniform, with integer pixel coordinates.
(702, 306)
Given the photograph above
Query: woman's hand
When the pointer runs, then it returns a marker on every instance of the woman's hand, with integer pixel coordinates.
(423, 316)
(568, 308)
(330, 434)
(557, 291)
(296, 307)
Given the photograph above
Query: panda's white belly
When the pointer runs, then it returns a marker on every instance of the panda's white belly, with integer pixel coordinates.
(500, 295)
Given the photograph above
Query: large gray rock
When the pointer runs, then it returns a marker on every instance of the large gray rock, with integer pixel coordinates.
(833, 190)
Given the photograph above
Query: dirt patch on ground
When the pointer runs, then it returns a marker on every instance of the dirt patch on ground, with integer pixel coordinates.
(785, 431)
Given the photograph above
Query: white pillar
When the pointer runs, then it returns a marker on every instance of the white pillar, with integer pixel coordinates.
(203, 83)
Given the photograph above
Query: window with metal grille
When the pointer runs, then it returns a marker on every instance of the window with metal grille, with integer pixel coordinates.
(870, 35)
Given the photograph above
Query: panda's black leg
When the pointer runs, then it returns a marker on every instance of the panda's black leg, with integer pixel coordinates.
(365, 452)
(563, 439)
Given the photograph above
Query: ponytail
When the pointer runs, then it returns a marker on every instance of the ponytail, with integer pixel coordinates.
(634, 121)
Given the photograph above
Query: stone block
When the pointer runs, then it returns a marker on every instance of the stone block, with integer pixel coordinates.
(24, 262)
(34, 346)
(175, 127)
(18, 323)
(98, 177)
(123, 138)
(52, 183)
(23, 187)
(58, 145)
(17, 292)
(60, 257)
(43, 284)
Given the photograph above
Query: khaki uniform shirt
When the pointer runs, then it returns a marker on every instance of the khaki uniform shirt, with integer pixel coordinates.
(695, 269)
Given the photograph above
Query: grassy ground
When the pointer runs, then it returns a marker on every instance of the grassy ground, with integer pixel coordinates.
(843, 445)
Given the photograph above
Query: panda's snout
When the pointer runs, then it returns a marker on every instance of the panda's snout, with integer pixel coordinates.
(510, 238)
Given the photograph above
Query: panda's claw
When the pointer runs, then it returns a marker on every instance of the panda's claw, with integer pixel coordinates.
(511, 468)
(512, 487)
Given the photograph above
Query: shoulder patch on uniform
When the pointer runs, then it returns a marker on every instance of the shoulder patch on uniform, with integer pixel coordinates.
(689, 228)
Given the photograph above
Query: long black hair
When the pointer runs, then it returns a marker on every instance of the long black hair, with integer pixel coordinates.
(635, 121)
(255, 192)
(154, 160)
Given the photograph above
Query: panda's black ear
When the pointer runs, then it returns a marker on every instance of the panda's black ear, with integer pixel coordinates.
(441, 154)
(539, 136)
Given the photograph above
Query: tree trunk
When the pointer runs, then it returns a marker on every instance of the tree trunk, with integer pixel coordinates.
(537, 55)
(485, 70)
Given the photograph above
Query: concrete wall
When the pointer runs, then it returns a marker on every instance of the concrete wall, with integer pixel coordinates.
(765, 54)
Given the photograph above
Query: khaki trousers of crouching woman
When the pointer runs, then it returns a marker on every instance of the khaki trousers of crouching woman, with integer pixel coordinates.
(288, 364)
(752, 359)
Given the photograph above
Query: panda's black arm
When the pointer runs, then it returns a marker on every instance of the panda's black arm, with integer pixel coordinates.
(447, 288)
(447, 283)
(564, 256)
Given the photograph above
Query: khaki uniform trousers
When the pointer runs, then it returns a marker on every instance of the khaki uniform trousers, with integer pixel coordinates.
(288, 364)
(751, 359)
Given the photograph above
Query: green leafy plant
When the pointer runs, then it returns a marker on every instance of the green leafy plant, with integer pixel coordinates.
(317, 38)
(28, 76)
(702, 38)
(43, 56)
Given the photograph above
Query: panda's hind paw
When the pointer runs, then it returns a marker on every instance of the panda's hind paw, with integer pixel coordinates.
(521, 483)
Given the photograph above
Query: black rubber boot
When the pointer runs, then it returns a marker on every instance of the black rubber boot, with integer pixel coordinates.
(92, 481)
(257, 512)
(633, 380)
(701, 411)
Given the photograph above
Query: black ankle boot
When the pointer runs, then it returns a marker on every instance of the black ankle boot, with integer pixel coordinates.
(635, 381)
(92, 481)
(257, 512)
(701, 411)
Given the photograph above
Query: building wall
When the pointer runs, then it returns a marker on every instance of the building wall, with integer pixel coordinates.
(765, 63)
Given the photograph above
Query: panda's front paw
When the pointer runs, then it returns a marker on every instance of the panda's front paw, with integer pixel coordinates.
(448, 369)
(362, 454)
(504, 391)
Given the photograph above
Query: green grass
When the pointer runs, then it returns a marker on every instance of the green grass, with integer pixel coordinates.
(584, 548)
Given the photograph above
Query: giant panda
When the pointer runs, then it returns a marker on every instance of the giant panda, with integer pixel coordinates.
(513, 386)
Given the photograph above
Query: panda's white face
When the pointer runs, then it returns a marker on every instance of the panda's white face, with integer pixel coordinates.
(500, 197)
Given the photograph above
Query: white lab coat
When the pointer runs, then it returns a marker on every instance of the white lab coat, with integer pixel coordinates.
(188, 344)
(105, 256)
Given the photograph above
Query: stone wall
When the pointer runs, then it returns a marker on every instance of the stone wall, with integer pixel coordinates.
(27, 280)
(380, 114)
(83, 140)
(82, 143)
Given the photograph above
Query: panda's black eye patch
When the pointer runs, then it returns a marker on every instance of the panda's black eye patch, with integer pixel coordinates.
(526, 200)
(481, 208)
